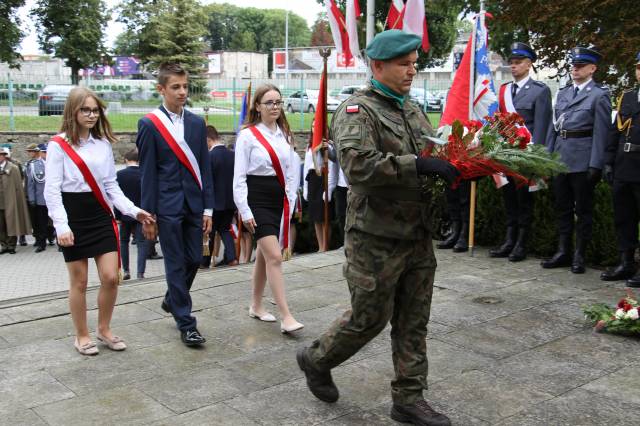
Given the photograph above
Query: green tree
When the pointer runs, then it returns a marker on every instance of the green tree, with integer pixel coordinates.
(141, 26)
(553, 27)
(320, 32)
(73, 30)
(11, 35)
(442, 16)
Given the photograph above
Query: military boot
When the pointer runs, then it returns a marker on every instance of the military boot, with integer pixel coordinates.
(450, 241)
(562, 256)
(634, 281)
(320, 383)
(418, 413)
(462, 244)
(519, 251)
(626, 269)
(577, 265)
(507, 245)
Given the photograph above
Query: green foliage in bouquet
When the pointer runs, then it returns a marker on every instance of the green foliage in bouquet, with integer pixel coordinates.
(622, 319)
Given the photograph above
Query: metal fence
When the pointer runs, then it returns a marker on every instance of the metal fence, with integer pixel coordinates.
(33, 105)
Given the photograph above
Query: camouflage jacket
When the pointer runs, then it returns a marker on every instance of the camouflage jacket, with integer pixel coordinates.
(377, 143)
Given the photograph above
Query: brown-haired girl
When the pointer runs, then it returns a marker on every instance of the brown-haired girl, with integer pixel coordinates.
(264, 191)
(80, 191)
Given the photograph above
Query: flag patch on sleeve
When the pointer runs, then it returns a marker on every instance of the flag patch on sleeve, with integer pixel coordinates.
(351, 109)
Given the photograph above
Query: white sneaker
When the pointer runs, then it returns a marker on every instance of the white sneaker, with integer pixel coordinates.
(267, 317)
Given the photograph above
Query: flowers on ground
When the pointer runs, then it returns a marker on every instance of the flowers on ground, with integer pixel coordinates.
(624, 318)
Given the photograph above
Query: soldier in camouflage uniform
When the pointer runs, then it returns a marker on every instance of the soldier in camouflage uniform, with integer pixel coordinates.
(390, 263)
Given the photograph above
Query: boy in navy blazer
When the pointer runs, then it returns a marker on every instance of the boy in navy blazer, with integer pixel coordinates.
(177, 188)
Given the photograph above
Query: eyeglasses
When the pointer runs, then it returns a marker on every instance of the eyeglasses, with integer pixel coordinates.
(88, 111)
(272, 104)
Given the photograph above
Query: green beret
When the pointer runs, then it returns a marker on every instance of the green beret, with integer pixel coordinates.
(391, 44)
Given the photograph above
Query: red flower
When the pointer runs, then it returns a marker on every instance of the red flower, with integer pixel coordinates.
(524, 135)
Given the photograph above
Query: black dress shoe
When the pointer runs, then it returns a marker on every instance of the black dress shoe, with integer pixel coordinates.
(557, 261)
(51, 243)
(11, 251)
(155, 256)
(319, 383)
(620, 272)
(634, 281)
(126, 276)
(192, 337)
(418, 413)
(39, 249)
(165, 306)
(23, 241)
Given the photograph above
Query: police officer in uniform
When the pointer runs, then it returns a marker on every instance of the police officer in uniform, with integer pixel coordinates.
(34, 182)
(390, 263)
(582, 125)
(621, 170)
(532, 101)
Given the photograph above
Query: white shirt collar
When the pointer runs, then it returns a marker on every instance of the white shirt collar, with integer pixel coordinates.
(522, 82)
(172, 115)
(582, 86)
(264, 127)
(86, 141)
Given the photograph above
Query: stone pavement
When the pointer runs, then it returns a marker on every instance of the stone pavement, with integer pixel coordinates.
(507, 346)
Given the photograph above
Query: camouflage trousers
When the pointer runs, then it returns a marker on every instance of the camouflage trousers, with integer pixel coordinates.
(389, 280)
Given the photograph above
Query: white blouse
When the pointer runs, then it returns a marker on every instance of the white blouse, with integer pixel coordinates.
(309, 165)
(64, 176)
(251, 158)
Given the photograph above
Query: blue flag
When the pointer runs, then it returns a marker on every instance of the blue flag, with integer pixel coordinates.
(243, 111)
(485, 101)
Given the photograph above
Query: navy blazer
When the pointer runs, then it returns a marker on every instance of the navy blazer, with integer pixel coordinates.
(168, 186)
(589, 110)
(222, 161)
(129, 181)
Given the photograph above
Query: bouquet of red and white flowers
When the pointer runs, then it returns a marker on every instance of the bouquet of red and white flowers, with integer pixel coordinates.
(500, 146)
(623, 319)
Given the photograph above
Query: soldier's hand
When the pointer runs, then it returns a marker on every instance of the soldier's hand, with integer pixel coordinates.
(594, 175)
(607, 174)
(441, 168)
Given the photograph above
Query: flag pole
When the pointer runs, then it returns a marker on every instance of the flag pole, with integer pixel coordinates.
(325, 52)
(239, 219)
(474, 183)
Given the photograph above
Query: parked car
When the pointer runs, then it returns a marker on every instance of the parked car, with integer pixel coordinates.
(434, 103)
(53, 98)
(307, 100)
(347, 91)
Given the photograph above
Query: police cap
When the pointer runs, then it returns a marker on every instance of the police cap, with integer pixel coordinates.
(521, 51)
(638, 59)
(391, 44)
(33, 147)
(585, 55)
(42, 147)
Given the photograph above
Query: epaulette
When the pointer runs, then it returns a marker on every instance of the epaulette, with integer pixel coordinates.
(538, 83)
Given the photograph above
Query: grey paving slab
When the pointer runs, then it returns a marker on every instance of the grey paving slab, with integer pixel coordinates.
(122, 405)
(577, 407)
(486, 396)
(24, 359)
(22, 418)
(216, 414)
(31, 390)
(621, 385)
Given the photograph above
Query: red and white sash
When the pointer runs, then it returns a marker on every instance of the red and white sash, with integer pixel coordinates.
(178, 145)
(275, 162)
(91, 181)
(505, 103)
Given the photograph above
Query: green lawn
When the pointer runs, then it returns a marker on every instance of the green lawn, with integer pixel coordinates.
(129, 122)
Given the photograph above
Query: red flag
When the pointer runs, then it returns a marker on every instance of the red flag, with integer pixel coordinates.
(339, 32)
(320, 118)
(396, 13)
(415, 21)
(457, 106)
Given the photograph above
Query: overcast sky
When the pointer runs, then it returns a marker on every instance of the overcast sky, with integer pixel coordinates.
(308, 9)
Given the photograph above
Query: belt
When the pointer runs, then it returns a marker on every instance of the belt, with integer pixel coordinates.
(574, 134)
(630, 147)
(392, 193)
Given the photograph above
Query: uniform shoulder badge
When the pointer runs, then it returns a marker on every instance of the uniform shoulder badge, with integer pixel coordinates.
(538, 83)
(353, 109)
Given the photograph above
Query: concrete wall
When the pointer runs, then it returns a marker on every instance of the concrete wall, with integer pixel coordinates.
(126, 142)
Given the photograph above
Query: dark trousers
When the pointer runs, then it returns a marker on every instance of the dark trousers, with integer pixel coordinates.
(626, 210)
(458, 202)
(518, 205)
(181, 243)
(40, 220)
(6, 241)
(221, 223)
(340, 195)
(127, 228)
(574, 196)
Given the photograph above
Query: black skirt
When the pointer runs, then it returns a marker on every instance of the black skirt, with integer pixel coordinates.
(91, 226)
(315, 195)
(265, 198)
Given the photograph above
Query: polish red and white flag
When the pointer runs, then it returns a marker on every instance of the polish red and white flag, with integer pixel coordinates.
(339, 31)
(396, 13)
(415, 21)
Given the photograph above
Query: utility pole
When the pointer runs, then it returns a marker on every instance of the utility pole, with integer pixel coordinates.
(286, 50)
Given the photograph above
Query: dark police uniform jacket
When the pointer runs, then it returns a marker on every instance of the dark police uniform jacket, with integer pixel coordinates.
(533, 104)
(590, 111)
(624, 158)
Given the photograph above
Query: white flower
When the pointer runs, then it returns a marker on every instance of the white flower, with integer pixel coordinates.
(632, 314)
(619, 313)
